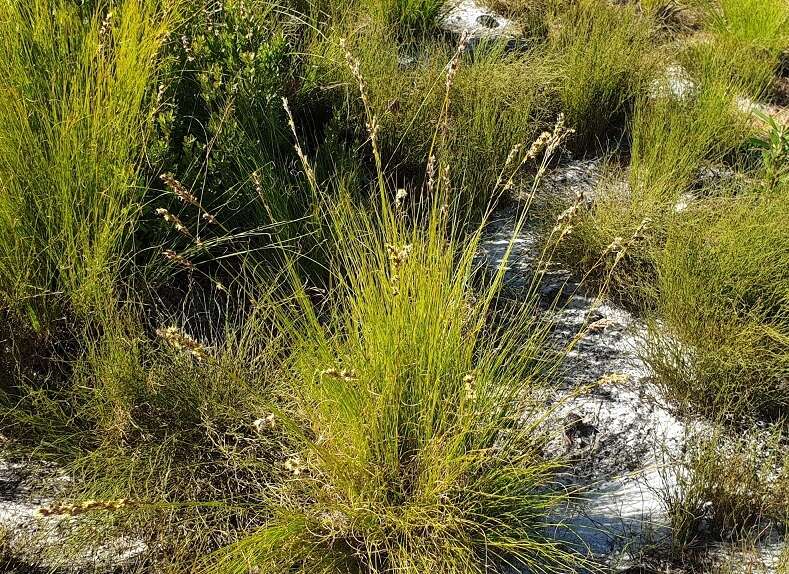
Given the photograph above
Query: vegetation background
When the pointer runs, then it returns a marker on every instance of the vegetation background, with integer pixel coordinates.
(241, 304)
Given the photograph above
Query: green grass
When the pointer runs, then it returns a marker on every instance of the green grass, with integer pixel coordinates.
(743, 43)
(416, 16)
(724, 297)
(320, 376)
(603, 53)
(783, 561)
(383, 426)
(412, 450)
(498, 100)
(708, 266)
(671, 141)
(414, 456)
(533, 16)
(145, 421)
(74, 117)
(755, 34)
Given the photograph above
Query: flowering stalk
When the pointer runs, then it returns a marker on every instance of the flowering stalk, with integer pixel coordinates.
(78, 508)
(181, 341)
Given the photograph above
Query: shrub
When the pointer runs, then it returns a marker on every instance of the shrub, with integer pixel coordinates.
(220, 128)
(773, 147)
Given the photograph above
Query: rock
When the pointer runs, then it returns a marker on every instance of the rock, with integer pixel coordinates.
(478, 23)
(676, 83)
(43, 543)
(406, 61)
(618, 434)
(574, 177)
(684, 201)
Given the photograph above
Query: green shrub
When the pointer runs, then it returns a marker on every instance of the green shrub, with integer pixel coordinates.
(220, 127)
(773, 146)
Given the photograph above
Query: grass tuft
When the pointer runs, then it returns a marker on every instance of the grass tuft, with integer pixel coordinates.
(73, 111)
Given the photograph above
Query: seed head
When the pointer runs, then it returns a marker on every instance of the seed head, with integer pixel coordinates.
(346, 375)
(171, 255)
(600, 325)
(77, 508)
(183, 342)
(469, 385)
(402, 194)
(613, 379)
(174, 221)
(431, 172)
(398, 255)
(309, 172)
(179, 189)
(616, 246)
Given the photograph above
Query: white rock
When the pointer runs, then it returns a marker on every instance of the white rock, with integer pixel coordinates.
(676, 82)
(477, 22)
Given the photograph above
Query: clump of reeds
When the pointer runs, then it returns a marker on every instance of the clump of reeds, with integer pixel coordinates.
(414, 455)
(70, 193)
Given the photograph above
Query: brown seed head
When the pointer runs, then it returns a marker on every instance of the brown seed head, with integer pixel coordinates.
(183, 342)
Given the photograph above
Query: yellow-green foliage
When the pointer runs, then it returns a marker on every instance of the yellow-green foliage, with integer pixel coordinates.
(724, 299)
(376, 413)
(746, 40)
(604, 56)
(726, 487)
(415, 456)
(672, 139)
(72, 122)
